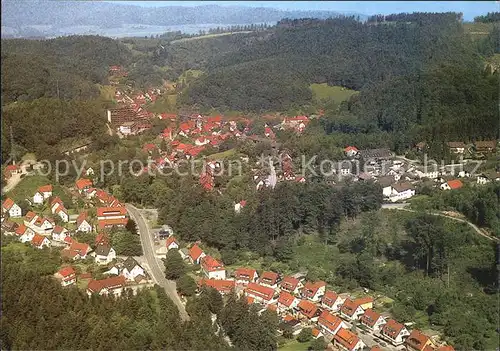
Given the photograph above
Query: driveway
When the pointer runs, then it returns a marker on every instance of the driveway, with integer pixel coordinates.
(156, 265)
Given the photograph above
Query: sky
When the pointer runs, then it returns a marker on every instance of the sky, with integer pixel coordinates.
(470, 9)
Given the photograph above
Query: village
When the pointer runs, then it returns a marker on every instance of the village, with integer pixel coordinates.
(350, 322)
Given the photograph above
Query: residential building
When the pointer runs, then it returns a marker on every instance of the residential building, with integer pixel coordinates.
(83, 184)
(132, 269)
(42, 225)
(104, 254)
(347, 340)
(104, 224)
(59, 233)
(108, 286)
(451, 185)
(62, 212)
(39, 241)
(269, 279)
(308, 309)
(171, 243)
(260, 293)
(353, 309)
(487, 177)
(221, 285)
(287, 301)
(66, 275)
(111, 213)
(245, 275)
(11, 208)
(291, 284)
(332, 301)
(212, 268)
(195, 254)
(456, 147)
(9, 227)
(314, 291)
(485, 146)
(417, 341)
(75, 250)
(329, 323)
(24, 233)
(401, 191)
(351, 151)
(372, 320)
(394, 332)
(82, 223)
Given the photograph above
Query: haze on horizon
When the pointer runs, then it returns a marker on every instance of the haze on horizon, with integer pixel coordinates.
(470, 9)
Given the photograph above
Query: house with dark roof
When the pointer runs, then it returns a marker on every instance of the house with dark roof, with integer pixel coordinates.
(132, 269)
(104, 254)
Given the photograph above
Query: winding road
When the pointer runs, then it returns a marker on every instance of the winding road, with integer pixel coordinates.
(402, 206)
(155, 264)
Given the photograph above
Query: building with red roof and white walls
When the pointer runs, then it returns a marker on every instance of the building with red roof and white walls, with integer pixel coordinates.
(66, 275)
(212, 268)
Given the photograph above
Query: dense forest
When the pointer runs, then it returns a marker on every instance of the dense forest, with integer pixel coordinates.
(488, 18)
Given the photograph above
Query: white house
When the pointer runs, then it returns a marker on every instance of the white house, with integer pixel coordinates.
(345, 339)
(43, 192)
(66, 275)
(24, 233)
(351, 310)
(59, 233)
(260, 293)
(287, 301)
(372, 320)
(132, 269)
(401, 191)
(171, 243)
(108, 286)
(42, 225)
(394, 332)
(333, 301)
(38, 198)
(62, 212)
(82, 223)
(314, 291)
(212, 268)
(104, 254)
(291, 284)
(329, 323)
(10, 207)
(40, 241)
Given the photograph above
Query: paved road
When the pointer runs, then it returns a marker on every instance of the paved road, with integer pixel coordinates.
(402, 206)
(156, 265)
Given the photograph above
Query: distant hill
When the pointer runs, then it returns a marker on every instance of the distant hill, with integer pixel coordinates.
(49, 17)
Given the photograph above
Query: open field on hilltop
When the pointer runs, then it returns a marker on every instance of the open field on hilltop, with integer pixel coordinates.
(107, 91)
(29, 185)
(478, 30)
(326, 93)
(164, 104)
(208, 36)
(223, 154)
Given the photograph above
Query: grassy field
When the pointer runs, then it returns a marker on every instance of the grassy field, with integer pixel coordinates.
(222, 155)
(107, 91)
(164, 104)
(478, 30)
(325, 93)
(294, 345)
(208, 36)
(189, 74)
(29, 157)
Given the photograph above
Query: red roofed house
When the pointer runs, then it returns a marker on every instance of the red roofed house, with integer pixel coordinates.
(82, 223)
(329, 323)
(171, 243)
(269, 279)
(287, 301)
(113, 285)
(351, 151)
(308, 310)
(76, 250)
(43, 192)
(291, 284)
(452, 185)
(222, 286)
(24, 233)
(59, 233)
(394, 332)
(10, 207)
(372, 320)
(43, 225)
(212, 268)
(39, 241)
(66, 275)
(83, 184)
(353, 309)
(347, 340)
(55, 203)
(102, 239)
(417, 341)
(111, 223)
(195, 254)
(245, 275)
(314, 291)
(260, 293)
(109, 217)
(62, 212)
(10, 170)
(332, 301)
(316, 333)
